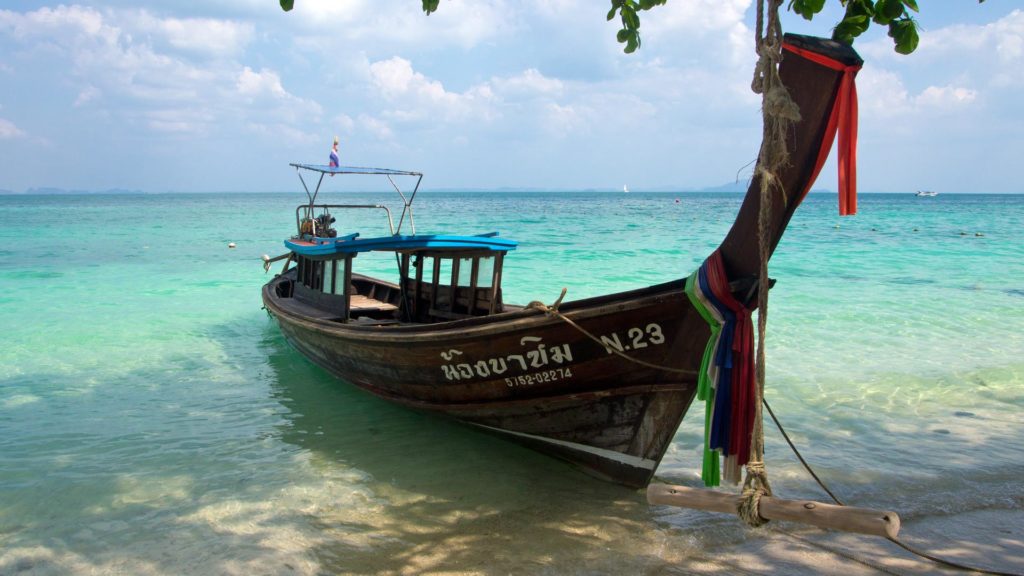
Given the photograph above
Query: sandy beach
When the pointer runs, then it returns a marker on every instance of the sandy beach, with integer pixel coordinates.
(986, 539)
(437, 535)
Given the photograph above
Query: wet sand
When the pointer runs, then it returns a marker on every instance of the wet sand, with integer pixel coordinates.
(985, 539)
(399, 532)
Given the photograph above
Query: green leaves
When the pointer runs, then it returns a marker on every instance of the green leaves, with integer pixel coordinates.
(287, 5)
(861, 13)
(806, 8)
(888, 10)
(904, 34)
(856, 21)
(430, 6)
(627, 11)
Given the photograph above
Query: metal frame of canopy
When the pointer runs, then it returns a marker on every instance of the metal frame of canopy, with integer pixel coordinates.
(360, 170)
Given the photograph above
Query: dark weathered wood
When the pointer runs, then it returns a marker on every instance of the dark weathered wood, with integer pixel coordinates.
(454, 285)
(419, 286)
(499, 261)
(348, 285)
(534, 378)
(587, 407)
(471, 305)
(813, 87)
(435, 283)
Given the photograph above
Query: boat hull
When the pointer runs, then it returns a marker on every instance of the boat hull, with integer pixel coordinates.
(534, 378)
(608, 391)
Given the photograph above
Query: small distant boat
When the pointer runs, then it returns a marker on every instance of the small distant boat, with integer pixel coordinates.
(625, 189)
(926, 193)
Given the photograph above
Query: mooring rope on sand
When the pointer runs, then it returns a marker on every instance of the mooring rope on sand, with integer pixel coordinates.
(896, 541)
(748, 506)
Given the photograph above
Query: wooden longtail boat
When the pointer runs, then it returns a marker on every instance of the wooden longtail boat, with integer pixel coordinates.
(443, 340)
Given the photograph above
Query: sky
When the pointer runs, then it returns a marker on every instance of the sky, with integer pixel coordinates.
(524, 94)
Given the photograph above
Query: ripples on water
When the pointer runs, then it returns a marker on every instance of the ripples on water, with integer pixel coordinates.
(153, 421)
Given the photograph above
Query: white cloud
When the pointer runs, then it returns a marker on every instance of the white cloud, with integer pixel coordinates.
(174, 75)
(416, 97)
(28, 24)
(284, 133)
(376, 127)
(344, 122)
(696, 16)
(1004, 38)
(265, 81)
(945, 97)
(984, 55)
(86, 95)
(9, 131)
(882, 94)
(562, 120)
(201, 35)
(178, 121)
(395, 77)
(557, 9)
(396, 23)
(530, 81)
(331, 13)
(701, 25)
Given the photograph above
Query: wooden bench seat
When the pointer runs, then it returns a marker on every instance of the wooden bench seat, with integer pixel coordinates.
(298, 307)
(359, 303)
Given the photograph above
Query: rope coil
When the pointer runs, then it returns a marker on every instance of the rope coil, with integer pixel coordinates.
(754, 486)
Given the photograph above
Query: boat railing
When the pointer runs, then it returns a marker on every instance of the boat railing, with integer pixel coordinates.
(407, 200)
(304, 212)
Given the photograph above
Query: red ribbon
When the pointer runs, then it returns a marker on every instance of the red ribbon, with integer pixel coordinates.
(744, 379)
(844, 120)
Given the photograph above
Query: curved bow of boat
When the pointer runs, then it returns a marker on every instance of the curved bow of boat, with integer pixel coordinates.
(814, 85)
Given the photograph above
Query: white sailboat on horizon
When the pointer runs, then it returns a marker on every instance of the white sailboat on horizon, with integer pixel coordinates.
(625, 189)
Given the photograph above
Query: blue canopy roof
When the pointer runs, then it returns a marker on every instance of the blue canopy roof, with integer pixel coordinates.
(324, 169)
(354, 244)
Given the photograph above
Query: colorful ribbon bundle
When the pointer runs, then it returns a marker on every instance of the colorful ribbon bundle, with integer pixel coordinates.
(728, 381)
(727, 377)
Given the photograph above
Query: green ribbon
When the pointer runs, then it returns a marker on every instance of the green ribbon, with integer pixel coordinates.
(710, 470)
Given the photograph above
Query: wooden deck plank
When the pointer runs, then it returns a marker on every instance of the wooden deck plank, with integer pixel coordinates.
(358, 302)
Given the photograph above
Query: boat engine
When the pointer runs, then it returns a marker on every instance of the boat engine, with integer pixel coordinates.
(323, 226)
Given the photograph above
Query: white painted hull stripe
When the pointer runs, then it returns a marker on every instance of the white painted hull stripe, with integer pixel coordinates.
(634, 461)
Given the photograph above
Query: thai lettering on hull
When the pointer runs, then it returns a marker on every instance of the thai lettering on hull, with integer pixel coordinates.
(533, 355)
(536, 362)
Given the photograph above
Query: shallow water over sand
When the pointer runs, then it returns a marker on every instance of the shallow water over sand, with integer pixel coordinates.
(153, 421)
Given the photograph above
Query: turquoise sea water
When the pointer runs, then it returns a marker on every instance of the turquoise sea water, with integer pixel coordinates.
(154, 421)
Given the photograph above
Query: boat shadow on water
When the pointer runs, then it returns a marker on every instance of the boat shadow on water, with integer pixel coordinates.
(439, 495)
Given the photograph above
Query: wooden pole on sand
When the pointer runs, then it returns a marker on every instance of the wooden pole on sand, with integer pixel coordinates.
(845, 518)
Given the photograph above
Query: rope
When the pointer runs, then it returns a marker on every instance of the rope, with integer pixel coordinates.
(800, 456)
(778, 112)
(949, 563)
(755, 485)
(553, 311)
(901, 544)
(841, 553)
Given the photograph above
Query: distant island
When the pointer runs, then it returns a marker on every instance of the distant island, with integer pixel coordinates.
(727, 188)
(65, 192)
